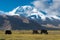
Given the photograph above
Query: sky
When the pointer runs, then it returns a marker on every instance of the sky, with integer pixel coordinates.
(8, 5)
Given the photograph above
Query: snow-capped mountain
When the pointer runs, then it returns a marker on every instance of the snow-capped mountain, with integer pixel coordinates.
(28, 11)
(31, 16)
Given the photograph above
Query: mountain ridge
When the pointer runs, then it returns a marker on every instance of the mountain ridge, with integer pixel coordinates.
(30, 17)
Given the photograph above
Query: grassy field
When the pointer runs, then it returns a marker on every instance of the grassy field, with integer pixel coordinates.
(27, 35)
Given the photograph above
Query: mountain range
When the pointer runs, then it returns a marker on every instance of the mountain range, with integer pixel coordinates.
(27, 18)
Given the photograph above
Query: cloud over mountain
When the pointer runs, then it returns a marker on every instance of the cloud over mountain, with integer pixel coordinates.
(51, 7)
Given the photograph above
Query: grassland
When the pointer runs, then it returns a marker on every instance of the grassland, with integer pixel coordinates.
(27, 35)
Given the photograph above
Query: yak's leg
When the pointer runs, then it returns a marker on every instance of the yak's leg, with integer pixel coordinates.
(35, 32)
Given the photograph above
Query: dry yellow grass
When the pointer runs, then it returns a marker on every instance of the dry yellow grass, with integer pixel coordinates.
(27, 35)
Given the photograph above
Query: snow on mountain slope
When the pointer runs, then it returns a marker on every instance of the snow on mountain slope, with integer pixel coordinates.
(29, 11)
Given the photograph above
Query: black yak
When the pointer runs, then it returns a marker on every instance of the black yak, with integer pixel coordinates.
(44, 31)
(8, 32)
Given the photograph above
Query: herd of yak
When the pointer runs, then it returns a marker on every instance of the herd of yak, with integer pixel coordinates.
(34, 32)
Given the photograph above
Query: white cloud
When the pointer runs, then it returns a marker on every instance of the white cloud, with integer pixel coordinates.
(51, 10)
(39, 4)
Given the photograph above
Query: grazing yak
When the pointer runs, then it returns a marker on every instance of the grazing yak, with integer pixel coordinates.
(8, 32)
(42, 31)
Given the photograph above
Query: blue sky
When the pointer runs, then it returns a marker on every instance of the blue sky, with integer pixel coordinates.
(8, 5)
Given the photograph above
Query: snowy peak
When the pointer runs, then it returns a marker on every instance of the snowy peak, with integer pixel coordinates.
(29, 11)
